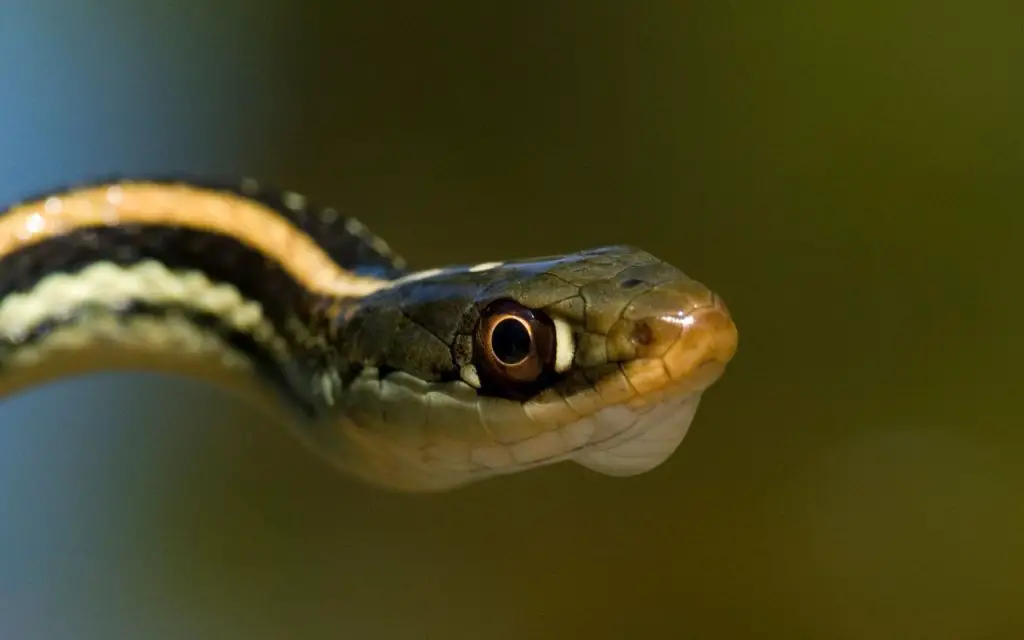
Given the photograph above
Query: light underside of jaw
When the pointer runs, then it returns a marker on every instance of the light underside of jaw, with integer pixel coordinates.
(619, 439)
(628, 441)
(418, 436)
(620, 431)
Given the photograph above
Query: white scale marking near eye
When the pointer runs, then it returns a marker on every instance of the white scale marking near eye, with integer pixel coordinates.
(565, 345)
(470, 375)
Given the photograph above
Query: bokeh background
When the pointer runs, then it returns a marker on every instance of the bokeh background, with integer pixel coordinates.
(848, 175)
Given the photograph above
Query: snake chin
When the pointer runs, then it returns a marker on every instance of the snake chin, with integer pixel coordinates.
(627, 441)
(401, 433)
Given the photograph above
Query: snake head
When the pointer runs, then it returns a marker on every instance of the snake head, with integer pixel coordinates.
(461, 373)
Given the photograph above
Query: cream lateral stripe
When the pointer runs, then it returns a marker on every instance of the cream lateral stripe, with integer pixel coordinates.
(172, 335)
(187, 206)
(113, 287)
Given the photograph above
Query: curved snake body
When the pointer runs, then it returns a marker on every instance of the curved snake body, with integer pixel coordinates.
(411, 380)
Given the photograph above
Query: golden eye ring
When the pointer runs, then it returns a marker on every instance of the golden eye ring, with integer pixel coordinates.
(515, 345)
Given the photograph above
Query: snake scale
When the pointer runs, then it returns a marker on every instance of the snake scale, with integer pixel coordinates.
(410, 380)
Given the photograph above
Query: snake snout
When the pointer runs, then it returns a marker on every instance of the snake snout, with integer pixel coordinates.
(671, 342)
(683, 325)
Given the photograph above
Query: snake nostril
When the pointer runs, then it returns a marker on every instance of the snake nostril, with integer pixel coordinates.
(629, 283)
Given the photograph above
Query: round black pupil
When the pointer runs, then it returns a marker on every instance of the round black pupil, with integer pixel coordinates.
(510, 341)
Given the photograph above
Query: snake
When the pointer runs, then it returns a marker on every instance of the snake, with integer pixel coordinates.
(411, 380)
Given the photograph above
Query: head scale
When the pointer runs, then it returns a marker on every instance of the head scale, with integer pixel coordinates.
(452, 375)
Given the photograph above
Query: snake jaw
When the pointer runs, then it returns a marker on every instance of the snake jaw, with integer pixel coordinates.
(640, 439)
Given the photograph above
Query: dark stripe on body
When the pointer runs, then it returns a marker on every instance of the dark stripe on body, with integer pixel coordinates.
(223, 259)
(325, 225)
(266, 364)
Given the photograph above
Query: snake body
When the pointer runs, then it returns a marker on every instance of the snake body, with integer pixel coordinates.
(410, 380)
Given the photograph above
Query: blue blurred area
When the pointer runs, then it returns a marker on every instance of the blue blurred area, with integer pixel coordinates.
(105, 86)
(91, 89)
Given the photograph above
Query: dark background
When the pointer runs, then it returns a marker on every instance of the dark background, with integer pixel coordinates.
(848, 175)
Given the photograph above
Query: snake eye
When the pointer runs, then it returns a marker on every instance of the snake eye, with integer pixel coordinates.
(514, 344)
(511, 341)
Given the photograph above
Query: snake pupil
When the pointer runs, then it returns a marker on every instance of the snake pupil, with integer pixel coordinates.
(511, 341)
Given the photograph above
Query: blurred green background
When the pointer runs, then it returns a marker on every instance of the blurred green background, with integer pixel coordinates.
(847, 175)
